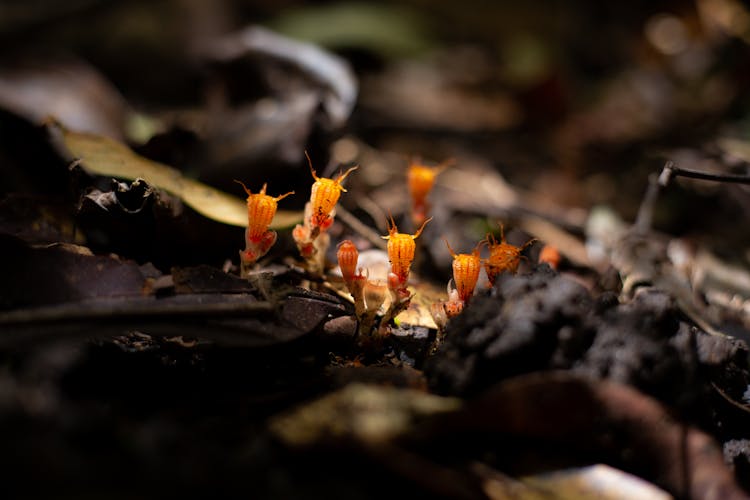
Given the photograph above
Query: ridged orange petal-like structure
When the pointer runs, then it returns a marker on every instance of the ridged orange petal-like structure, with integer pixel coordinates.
(261, 209)
(466, 267)
(401, 247)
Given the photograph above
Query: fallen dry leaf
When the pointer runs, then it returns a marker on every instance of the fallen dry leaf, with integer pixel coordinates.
(418, 313)
(104, 156)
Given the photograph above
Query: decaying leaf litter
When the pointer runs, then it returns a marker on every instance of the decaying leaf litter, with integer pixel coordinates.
(134, 338)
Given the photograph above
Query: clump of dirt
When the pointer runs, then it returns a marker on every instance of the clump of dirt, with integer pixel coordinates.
(545, 321)
(737, 455)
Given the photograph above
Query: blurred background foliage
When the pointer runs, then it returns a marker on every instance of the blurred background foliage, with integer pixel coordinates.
(577, 101)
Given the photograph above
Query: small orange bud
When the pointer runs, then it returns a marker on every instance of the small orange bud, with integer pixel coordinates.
(466, 269)
(453, 308)
(347, 255)
(324, 195)
(394, 282)
(503, 256)
(301, 235)
(421, 179)
(550, 255)
(401, 249)
(261, 209)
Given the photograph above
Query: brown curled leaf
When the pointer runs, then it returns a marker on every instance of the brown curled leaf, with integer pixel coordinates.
(613, 422)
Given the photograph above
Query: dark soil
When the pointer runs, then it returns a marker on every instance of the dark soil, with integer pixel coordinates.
(135, 362)
(546, 321)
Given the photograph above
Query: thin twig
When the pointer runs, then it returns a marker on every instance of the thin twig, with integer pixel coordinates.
(242, 323)
(130, 310)
(671, 170)
(366, 231)
(729, 399)
(645, 216)
(379, 216)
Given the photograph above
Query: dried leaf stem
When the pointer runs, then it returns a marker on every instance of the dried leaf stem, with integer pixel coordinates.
(671, 170)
